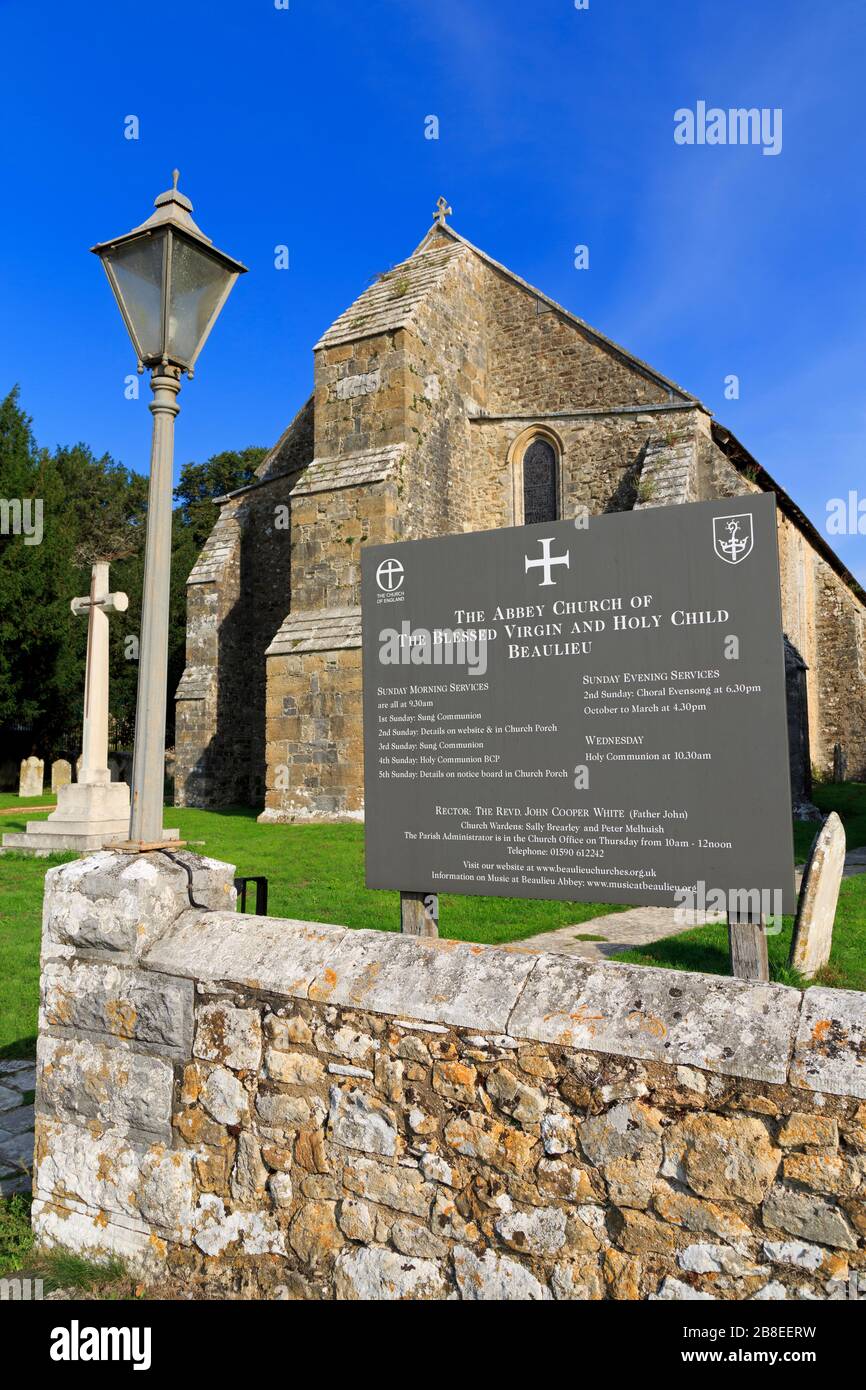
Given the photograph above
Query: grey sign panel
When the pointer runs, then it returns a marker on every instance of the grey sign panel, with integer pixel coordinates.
(592, 714)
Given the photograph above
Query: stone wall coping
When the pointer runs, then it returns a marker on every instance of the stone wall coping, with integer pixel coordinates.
(317, 630)
(762, 1032)
(363, 466)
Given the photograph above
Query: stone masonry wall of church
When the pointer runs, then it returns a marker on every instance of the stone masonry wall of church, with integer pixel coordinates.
(231, 618)
(207, 604)
(346, 423)
(314, 745)
(447, 362)
(539, 361)
(602, 458)
(827, 624)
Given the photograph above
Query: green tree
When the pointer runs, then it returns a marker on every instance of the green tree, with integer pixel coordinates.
(91, 509)
(200, 483)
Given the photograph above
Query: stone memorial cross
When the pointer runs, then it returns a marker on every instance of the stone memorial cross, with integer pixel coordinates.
(98, 605)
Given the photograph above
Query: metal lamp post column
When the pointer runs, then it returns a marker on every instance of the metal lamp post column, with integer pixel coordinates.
(148, 766)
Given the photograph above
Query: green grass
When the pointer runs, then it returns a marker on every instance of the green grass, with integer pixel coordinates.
(706, 948)
(13, 799)
(849, 800)
(317, 872)
(20, 924)
(16, 1237)
(58, 1269)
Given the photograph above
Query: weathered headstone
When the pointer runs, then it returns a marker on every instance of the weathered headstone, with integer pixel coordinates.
(79, 764)
(819, 894)
(30, 781)
(61, 774)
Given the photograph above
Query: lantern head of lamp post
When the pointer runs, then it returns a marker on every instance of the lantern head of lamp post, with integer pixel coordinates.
(170, 283)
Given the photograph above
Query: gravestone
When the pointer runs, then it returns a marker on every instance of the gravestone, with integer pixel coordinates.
(30, 781)
(61, 774)
(79, 764)
(819, 894)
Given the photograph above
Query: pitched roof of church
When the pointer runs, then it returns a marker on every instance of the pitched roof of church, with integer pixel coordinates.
(391, 302)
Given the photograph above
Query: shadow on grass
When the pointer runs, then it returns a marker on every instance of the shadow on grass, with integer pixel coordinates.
(676, 953)
(22, 1047)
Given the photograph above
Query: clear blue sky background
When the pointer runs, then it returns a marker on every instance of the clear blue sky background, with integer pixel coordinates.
(306, 127)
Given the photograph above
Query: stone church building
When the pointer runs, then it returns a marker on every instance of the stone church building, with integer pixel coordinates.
(452, 396)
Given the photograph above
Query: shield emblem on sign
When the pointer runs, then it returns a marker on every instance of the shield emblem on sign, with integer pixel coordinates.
(733, 537)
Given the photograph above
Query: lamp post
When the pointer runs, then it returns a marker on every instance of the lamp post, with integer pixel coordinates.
(170, 283)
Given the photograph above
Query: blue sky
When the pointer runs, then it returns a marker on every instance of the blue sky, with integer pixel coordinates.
(306, 127)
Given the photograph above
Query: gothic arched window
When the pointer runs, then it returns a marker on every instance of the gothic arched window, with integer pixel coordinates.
(540, 501)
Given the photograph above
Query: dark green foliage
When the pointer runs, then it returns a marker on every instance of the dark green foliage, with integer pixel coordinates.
(200, 483)
(92, 508)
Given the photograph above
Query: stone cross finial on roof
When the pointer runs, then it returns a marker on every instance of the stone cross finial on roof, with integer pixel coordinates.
(442, 211)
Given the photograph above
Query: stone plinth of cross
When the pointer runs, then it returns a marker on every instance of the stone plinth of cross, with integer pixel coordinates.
(97, 606)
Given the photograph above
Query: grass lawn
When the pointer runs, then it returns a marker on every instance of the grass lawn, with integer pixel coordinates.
(317, 872)
(706, 948)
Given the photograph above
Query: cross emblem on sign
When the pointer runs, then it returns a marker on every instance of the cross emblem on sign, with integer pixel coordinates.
(547, 561)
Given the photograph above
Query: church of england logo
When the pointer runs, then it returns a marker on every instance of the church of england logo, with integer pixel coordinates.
(733, 537)
(389, 576)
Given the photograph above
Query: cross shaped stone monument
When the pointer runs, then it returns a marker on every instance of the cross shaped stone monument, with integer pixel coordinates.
(94, 809)
(94, 742)
(442, 211)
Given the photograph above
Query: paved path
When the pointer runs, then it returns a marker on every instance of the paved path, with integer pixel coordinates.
(17, 1082)
(637, 926)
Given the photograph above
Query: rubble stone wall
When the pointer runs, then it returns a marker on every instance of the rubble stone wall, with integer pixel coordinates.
(238, 593)
(826, 622)
(298, 1110)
